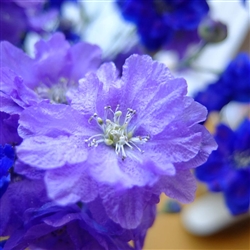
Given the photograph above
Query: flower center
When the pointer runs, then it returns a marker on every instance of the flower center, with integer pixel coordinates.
(116, 133)
(56, 93)
(242, 159)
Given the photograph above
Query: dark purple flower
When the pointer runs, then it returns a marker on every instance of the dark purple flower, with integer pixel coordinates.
(228, 169)
(127, 139)
(54, 71)
(54, 227)
(21, 194)
(232, 85)
(158, 20)
(7, 157)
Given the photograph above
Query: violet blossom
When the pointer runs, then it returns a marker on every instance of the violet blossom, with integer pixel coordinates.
(18, 17)
(54, 227)
(38, 222)
(232, 85)
(228, 169)
(159, 22)
(125, 139)
(26, 81)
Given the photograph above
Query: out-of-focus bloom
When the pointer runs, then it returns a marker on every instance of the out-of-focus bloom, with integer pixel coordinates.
(43, 17)
(15, 29)
(7, 157)
(157, 21)
(232, 85)
(54, 71)
(54, 227)
(22, 194)
(228, 169)
(127, 139)
(212, 31)
(36, 222)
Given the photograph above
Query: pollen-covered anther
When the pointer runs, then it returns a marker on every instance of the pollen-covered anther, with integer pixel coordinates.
(115, 133)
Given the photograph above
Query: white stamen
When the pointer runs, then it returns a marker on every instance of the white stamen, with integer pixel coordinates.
(116, 134)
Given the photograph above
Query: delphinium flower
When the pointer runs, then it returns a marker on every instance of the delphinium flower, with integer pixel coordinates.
(53, 73)
(228, 169)
(31, 220)
(123, 139)
(7, 157)
(160, 21)
(55, 227)
(232, 85)
(15, 29)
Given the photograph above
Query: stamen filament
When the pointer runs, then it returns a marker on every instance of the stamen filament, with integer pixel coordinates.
(115, 134)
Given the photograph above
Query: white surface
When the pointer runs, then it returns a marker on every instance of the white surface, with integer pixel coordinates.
(107, 28)
(208, 215)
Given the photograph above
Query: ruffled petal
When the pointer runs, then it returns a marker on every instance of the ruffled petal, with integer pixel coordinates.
(60, 120)
(44, 152)
(70, 184)
(208, 144)
(181, 186)
(125, 208)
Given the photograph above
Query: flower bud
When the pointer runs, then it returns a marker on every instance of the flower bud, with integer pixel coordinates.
(212, 31)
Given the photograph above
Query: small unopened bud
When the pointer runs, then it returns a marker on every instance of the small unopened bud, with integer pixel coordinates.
(212, 31)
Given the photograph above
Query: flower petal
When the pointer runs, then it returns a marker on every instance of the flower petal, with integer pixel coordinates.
(70, 184)
(181, 186)
(44, 152)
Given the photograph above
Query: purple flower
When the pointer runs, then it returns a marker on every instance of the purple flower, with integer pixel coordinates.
(15, 29)
(228, 169)
(127, 139)
(225, 88)
(21, 194)
(157, 21)
(7, 157)
(26, 81)
(54, 227)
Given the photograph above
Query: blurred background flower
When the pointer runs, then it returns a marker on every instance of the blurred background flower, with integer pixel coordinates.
(228, 168)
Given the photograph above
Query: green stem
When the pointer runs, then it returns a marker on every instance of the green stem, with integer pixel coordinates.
(205, 70)
(187, 62)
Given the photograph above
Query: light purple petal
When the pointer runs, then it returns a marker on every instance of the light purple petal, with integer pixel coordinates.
(103, 166)
(60, 120)
(125, 208)
(165, 106)
(70, 184)
(8, 106)
(181, 186)
(13, 86)
(86, 99)
(192, 113)
(175, 144)
(141, 77)
(81, 59)
(44, 152)
(18, 62)
(49, 54)
(208, 144)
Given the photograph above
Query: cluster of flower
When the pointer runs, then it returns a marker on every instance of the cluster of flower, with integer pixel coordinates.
(93, 150)
(228, 169)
